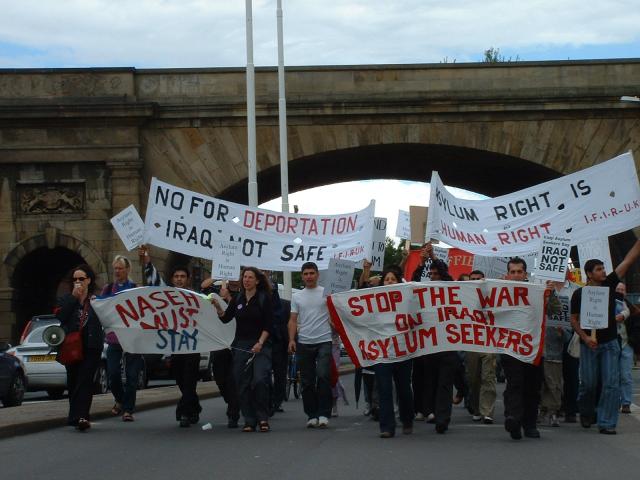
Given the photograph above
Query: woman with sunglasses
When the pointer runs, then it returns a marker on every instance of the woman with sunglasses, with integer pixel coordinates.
(75, 313)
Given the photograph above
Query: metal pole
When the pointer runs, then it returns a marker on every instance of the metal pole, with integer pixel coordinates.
(251, 112)
(282, 123)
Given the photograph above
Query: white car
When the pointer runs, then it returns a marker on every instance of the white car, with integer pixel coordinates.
(42, 370)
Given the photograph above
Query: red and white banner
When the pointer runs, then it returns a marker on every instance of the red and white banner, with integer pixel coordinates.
(164, 320)
(590, 204)
(407, 320)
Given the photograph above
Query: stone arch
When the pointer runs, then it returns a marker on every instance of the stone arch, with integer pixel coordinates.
(54, 238)
(35, 271)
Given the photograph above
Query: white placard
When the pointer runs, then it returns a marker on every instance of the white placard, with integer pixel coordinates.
(338, 277)
(129, 227)
(599, 201)
(595, 249)
(441, 253)
(553, 258)
(226, 260)
(188, 222)
(377, 244)
(594, 308)
(403, 228)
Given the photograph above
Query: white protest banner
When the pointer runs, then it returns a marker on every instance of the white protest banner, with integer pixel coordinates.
(188, 222)
(496, 267)
(129, 227)
(164, 320)
(226, 260)
(406, 320)
(594, 308)
(403, 227)
(598, 201)
(338, 277)
(377, 244)
(553, 258)
(596, 249)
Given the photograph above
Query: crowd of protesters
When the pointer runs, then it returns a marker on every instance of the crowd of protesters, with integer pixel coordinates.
(581, 376)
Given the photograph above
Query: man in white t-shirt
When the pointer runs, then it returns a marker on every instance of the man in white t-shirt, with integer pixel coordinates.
(310, 320)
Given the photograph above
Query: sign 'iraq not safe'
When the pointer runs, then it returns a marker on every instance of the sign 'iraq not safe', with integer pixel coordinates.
(188, 222)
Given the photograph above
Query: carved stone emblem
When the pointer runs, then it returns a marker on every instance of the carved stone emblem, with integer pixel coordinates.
(51, 198)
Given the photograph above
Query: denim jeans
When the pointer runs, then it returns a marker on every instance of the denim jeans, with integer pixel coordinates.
(570, 382)
(314, 361)
(400, 374)
(626, 378)
(602, 363)
(133, 364)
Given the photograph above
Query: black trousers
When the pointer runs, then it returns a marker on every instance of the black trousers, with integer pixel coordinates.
(80, 383)
(570, 371)
(420, 386)
(522, 393)
(186, 369)
(223, 374)
(279, 359)
(440, 370)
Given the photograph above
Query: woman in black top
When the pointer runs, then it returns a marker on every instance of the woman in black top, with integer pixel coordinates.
(75, 312)
(252, 353)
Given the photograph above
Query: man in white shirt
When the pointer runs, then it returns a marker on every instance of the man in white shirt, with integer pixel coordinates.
(310, 320)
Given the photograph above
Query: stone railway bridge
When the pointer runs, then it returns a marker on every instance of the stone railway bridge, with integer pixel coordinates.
(79, 145)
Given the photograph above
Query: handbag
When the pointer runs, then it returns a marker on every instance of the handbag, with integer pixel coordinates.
(573, 348)
(70, 352)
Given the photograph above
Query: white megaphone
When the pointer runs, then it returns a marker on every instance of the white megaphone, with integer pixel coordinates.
(53, 335)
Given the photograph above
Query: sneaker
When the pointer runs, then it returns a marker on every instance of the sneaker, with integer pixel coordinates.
(487, 420)
(312, 423)
(83, 424)
(625, 409)
(585, 421)
(476, 418)
(608, 431)
(420, 417)
(531, 433)
(441, 427)
(323, 422)
(431, 418)
(553, 420)
(386, 434)
(367, 410)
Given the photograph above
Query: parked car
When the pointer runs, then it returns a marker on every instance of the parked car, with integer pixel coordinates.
(12, 379)
(41, 368)
(44, 373)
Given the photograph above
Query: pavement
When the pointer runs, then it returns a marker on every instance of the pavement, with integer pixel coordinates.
(154, 446)
(35, 417)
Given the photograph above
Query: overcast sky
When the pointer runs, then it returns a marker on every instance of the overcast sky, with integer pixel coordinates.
(210, 33)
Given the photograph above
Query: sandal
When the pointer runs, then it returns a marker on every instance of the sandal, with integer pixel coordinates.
(127, 417)
(248, 428)
(264, 426)
(117, 409)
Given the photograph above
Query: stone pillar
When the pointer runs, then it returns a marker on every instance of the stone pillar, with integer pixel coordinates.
(125, 191)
